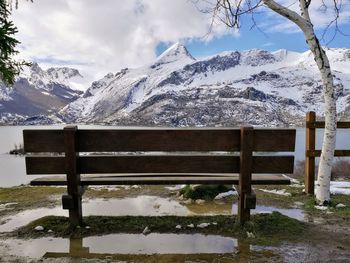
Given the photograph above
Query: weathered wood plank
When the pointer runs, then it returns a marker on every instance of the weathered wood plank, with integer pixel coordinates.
(73, 176)
(159, 140)
(45, 165)
(273, 164)
(274, 140)
(159, 164)
(310, 143)
(130, 140)
(165, 179)
(321, 124)
(43, 141)
(137, 164)
(337, 153)
(245, 173)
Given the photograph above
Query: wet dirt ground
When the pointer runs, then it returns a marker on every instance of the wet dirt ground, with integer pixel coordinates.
(329, 240)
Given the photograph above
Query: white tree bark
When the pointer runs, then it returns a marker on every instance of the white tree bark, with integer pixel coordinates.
(303, 21)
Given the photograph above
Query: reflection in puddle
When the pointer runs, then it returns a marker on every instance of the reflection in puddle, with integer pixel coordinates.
(292, 213)
(142, 206)
(122, 244)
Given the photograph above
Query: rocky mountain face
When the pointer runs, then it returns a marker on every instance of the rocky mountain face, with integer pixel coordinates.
(37, 94)
(232, 88)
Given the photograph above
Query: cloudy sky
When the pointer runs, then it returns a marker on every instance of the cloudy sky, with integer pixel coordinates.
(98, 37)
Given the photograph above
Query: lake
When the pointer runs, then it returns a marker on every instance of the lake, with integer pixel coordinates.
(12, 168)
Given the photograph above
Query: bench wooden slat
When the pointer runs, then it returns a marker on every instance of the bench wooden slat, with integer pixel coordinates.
(337, 153)
(273, 164)
(43, 141)
(159, 164)
(168, 140)
(274, 140)
(137, 164)
(165, 180)
(136, 140)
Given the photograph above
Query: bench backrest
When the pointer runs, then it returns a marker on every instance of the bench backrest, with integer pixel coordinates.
(188, 151)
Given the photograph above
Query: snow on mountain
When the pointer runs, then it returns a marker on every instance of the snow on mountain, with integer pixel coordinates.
(38, 92)
(251, 87)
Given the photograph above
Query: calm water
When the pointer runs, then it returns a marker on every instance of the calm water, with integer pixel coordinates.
(12, 168)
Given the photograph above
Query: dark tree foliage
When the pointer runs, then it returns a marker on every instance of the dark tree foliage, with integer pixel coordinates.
(9, 67)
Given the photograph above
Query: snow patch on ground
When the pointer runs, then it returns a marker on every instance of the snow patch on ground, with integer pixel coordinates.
(175, 188)
(340, 188)
(225, 194)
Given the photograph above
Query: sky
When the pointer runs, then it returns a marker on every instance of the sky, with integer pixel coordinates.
(98, 37)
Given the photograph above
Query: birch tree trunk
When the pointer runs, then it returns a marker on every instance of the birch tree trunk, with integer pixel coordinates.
(303, 21)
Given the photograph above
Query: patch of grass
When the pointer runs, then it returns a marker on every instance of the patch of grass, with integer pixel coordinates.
(206, 192)
(280, 201)
(267, 228)
(343, 213)
(28, 197)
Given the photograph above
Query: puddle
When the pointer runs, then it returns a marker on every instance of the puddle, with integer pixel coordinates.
(292, 212)
(121, 244)
(143, 206)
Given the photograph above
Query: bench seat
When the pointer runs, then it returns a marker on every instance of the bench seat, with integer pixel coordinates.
(160, 179)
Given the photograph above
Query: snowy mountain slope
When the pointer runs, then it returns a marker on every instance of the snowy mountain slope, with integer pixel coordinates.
(255, 87)
(37, 92)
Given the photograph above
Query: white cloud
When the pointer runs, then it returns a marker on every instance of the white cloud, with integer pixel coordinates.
(103, 36)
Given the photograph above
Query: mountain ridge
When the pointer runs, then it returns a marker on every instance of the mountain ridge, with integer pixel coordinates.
(230, 88)
(254, 87)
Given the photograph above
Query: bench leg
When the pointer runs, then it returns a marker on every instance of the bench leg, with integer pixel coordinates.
(243, 212)
(72, 202)
(76, 214)
(245, 174)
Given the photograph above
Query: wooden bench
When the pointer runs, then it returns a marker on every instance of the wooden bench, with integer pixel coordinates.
(159, 157)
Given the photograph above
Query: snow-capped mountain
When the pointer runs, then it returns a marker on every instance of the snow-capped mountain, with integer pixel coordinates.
(251, 87)
(37, 93)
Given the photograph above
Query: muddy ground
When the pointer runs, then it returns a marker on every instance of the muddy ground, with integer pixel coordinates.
(325, 235)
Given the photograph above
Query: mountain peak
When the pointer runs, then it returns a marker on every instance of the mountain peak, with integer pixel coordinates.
(175, 53)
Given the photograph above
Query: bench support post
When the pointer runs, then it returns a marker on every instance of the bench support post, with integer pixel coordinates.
(245, 175)
(310, 146)
(73, 177)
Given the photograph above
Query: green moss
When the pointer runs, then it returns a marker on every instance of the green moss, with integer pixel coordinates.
(267, 228)
(206, 192)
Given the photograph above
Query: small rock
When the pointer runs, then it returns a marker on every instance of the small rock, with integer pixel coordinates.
(340, 206)
(39, 228)
(200, 201)
(321, 207)
(298, 203)
(214, 223)
(156, 206)
(178, 227)
(203, 225)
(190, 225)
(181, 197)
(146, 231)
(250, 235)
(188, 201)
(87, 227)
(49, 231)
